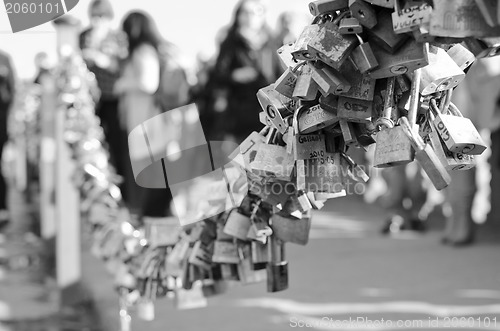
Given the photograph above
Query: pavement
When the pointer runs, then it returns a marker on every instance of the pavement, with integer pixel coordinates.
(348, 277)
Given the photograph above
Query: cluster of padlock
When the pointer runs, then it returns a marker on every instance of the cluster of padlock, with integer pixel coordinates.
(160, 258)
(373, 71)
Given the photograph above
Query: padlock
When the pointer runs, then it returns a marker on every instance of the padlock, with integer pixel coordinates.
(291, 230)
(308, 146)
(355, 171)
(322, 174)
(350, 25)
(277, 268)
(484, 47)
(276, 106)
(321, 7)
(422, 34)
(273, 161)
(458, 132)
(382, 3)
(363, 12)
(363, 57)
(330, 46)
(348, 132)
(427, 158)
(225, 252)
(489, 11)
(301, 51)
(411, 16)
(354, 110)
(442, 73)
(462, 56)
(329, 103)
(286, 58)
(410, 56)
(459, 19)
(237, 225)
(285, 84)
(383, 35)
(362, 86)
(161, 231)
(329, 80)
(451, 161)
(363, 133)
(260, 256)
(393, 148)
(305, 87)
(200, 255)
(246, 272)
(311, 119)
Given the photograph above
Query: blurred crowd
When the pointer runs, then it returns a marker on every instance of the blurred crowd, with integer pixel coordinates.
(140, 75)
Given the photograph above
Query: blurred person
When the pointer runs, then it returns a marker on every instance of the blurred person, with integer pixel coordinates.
(103, 49)
(243, 66)
(7, 93)
(477, 97)
(289, 26)
(42, 65)
(404, 198)
(150, 58)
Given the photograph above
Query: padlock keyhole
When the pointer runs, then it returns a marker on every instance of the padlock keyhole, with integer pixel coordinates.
(271, 112)
(361, 13)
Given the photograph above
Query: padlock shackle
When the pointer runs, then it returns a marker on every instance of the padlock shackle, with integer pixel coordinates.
(454, 109)
(433, 107)
(415, 139)
(414, 96)
(385, 120)
(445, 101)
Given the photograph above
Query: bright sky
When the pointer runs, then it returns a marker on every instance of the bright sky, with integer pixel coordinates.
(192, 25)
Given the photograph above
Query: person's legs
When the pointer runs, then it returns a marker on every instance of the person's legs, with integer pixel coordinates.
(460, 195)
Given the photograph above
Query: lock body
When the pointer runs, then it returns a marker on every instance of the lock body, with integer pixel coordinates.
(237, 225)
(350, 25)
(411, 56)
(459, 134)
(321, 7)
(393, 148)
(305, 86)
(314, 118)
(295, 231)
(330, 46)
(330, 81)
(363, 12)
(354, 110)
(383, 35)
(442, 73)
(451, 161)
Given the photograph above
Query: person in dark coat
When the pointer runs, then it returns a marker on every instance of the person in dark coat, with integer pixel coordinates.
(244, 65)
